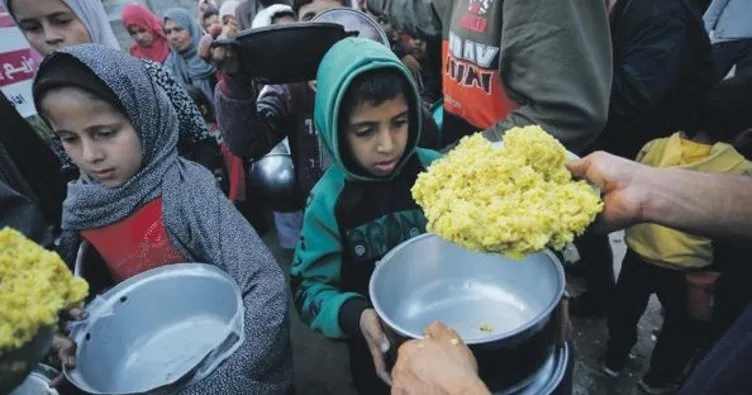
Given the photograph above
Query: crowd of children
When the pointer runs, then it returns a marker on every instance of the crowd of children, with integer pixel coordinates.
(135, 124)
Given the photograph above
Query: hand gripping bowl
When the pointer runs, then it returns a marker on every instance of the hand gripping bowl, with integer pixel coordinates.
(157, 331)
(502, 308)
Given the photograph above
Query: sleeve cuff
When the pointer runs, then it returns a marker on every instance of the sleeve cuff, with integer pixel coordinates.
(349, 316)
(237, 88)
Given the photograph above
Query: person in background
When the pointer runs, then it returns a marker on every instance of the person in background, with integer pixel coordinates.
(709, 205)
(87, 22)
(662, 73)
(658, 260)
(184, 35)
(201, 7)
(730, 28)
(510, 63)
(369, 114)
(276, 14)
(141, 206)
(146, 30)
(247, 10)
(430, 76)
(227, 16)
(211, 17)
(233, 179)
(307, 9)
(29, 166)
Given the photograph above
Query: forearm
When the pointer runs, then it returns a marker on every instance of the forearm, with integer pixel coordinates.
(246, 134)
(710, 205)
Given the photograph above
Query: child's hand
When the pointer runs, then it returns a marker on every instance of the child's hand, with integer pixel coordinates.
(378, 344)
(64, 350)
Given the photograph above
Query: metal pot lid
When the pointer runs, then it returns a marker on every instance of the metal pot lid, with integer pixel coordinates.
(548, 378)
(38, 382)
(354, 21)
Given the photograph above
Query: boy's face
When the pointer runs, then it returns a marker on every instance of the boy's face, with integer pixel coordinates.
(377, 134)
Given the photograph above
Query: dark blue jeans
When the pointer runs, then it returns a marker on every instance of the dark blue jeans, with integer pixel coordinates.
(726, 368)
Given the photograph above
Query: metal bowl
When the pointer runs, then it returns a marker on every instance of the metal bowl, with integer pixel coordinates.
(38, 382)
(158, 331)
(15, 365)
(354, 21)
(275, 176)
(501, 308)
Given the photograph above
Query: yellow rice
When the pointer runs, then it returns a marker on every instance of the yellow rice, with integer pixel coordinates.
(35, 285)
(515, 200)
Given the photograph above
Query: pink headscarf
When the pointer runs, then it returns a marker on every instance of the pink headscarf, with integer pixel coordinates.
(134, 14)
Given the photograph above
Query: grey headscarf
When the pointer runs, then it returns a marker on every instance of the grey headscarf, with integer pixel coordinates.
(94, 18)
(202, 224)
(192, 124)
(188, 65)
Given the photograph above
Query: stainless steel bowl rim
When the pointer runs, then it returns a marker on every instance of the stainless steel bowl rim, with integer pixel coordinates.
(78, 332)
(533, 324)
(357, 14)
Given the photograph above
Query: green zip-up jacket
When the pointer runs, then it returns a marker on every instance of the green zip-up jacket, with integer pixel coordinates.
(352, 219)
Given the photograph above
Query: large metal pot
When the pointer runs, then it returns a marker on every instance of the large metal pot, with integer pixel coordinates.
(275, 176)
(502, 308)
(157, 331)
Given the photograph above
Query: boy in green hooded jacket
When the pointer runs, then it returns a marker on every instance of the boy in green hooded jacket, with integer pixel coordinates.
(369, 117)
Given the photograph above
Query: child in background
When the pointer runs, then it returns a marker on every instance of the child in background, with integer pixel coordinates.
(368, 112)
(658, 261)
(146, 30)
(227, 16)
(210, 17)
(141, 206)
(276, 14)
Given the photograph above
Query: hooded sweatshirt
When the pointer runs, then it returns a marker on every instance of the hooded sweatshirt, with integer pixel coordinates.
(508, 63)
(671, 248)
(352, 218)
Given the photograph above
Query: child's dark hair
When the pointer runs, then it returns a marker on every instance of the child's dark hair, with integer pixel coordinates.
(210, 12)
(298, 4)
(374, 87)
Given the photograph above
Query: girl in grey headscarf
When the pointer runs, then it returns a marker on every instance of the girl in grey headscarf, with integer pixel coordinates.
(120, 129)
(95, 28)
(184, 60)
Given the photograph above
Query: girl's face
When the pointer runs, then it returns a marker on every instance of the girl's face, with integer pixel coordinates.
(141, 36)
(179, 38)
(100, 140)
(49, 25)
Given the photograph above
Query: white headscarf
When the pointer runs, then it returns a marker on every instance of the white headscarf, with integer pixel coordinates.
(266, 16)
(94, 18)
(228, 8)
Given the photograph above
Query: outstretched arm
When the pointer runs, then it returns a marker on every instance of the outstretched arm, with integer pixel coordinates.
(711, 205)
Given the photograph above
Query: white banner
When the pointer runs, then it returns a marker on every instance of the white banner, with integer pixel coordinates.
(18, 65)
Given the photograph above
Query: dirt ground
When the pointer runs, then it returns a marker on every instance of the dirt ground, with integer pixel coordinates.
(321, 364)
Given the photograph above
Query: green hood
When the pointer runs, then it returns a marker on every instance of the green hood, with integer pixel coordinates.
(346, 60)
